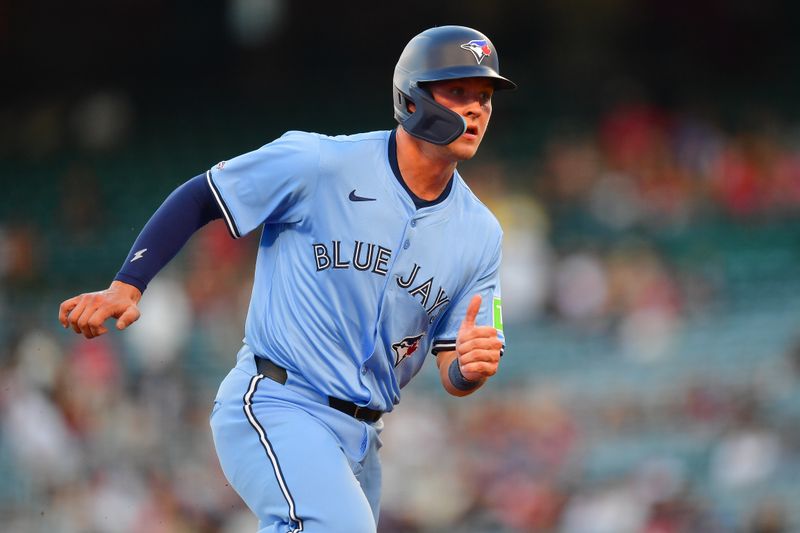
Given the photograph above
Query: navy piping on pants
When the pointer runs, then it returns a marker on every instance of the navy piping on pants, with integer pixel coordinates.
(262, 435)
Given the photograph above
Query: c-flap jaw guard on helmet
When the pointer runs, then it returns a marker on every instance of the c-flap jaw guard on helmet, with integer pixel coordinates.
(431, 121)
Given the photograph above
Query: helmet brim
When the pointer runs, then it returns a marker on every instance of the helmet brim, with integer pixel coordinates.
(458, 72)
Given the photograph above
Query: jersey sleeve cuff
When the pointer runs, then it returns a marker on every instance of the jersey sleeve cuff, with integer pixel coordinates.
(443, 345)
(448, 345)
(130, 280)
(226, 213)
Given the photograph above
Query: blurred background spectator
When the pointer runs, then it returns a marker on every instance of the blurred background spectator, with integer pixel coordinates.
(647, 176)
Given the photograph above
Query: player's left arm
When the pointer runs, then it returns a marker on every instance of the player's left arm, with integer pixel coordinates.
(468, 340)
(476, 357)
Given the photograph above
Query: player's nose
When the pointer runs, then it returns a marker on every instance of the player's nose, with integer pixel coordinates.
(474, 111)
(473, 108)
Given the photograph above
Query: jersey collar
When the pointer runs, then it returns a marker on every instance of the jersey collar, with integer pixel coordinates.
(419, 203)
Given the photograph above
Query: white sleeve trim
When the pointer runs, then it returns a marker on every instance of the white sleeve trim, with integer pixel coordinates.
(224, 208)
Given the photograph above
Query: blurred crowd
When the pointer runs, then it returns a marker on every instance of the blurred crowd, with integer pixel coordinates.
(643, 165)
(604, 242)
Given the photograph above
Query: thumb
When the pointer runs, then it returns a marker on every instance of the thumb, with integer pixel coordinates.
(472, 312)
(127, 318)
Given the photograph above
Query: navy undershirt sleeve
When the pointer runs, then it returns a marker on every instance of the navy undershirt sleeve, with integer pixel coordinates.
(190, 207)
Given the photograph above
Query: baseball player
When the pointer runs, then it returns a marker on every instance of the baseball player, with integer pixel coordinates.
(373, 253)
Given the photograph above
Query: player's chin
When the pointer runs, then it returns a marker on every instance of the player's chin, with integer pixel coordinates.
(465, 149)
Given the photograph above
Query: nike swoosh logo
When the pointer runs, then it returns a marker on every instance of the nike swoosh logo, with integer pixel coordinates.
(355, 198)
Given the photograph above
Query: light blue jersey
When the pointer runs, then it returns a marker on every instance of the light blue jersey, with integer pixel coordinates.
(356, 282)
(354, 285)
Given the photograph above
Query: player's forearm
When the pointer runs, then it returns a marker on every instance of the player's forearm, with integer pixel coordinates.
(452, 381)
(190, 207)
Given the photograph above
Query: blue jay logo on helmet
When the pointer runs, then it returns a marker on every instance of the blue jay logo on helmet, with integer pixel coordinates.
(479, 48)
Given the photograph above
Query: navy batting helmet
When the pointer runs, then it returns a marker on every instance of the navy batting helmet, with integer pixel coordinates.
(443, 53)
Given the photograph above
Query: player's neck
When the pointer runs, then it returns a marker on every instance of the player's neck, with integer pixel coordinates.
(425, 168)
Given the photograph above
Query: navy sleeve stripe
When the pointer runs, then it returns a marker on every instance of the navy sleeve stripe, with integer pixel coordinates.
(448, 345)
(443, 345)
(234, 231)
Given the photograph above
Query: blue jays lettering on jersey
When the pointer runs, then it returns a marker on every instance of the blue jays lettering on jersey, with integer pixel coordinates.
(354, 285)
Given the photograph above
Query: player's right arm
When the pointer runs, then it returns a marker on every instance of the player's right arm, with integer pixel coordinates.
(190, 207)
(269, 185)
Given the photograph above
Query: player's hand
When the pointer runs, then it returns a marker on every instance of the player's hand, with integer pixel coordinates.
(87, 312)
(477, 347)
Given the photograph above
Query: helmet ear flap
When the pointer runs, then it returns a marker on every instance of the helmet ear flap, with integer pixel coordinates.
(431, 121)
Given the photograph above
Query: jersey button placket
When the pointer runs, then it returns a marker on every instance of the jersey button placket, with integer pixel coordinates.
(409, 233)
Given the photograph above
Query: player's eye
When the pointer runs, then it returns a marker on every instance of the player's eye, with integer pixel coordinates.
(485, 97)
(457, 91)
